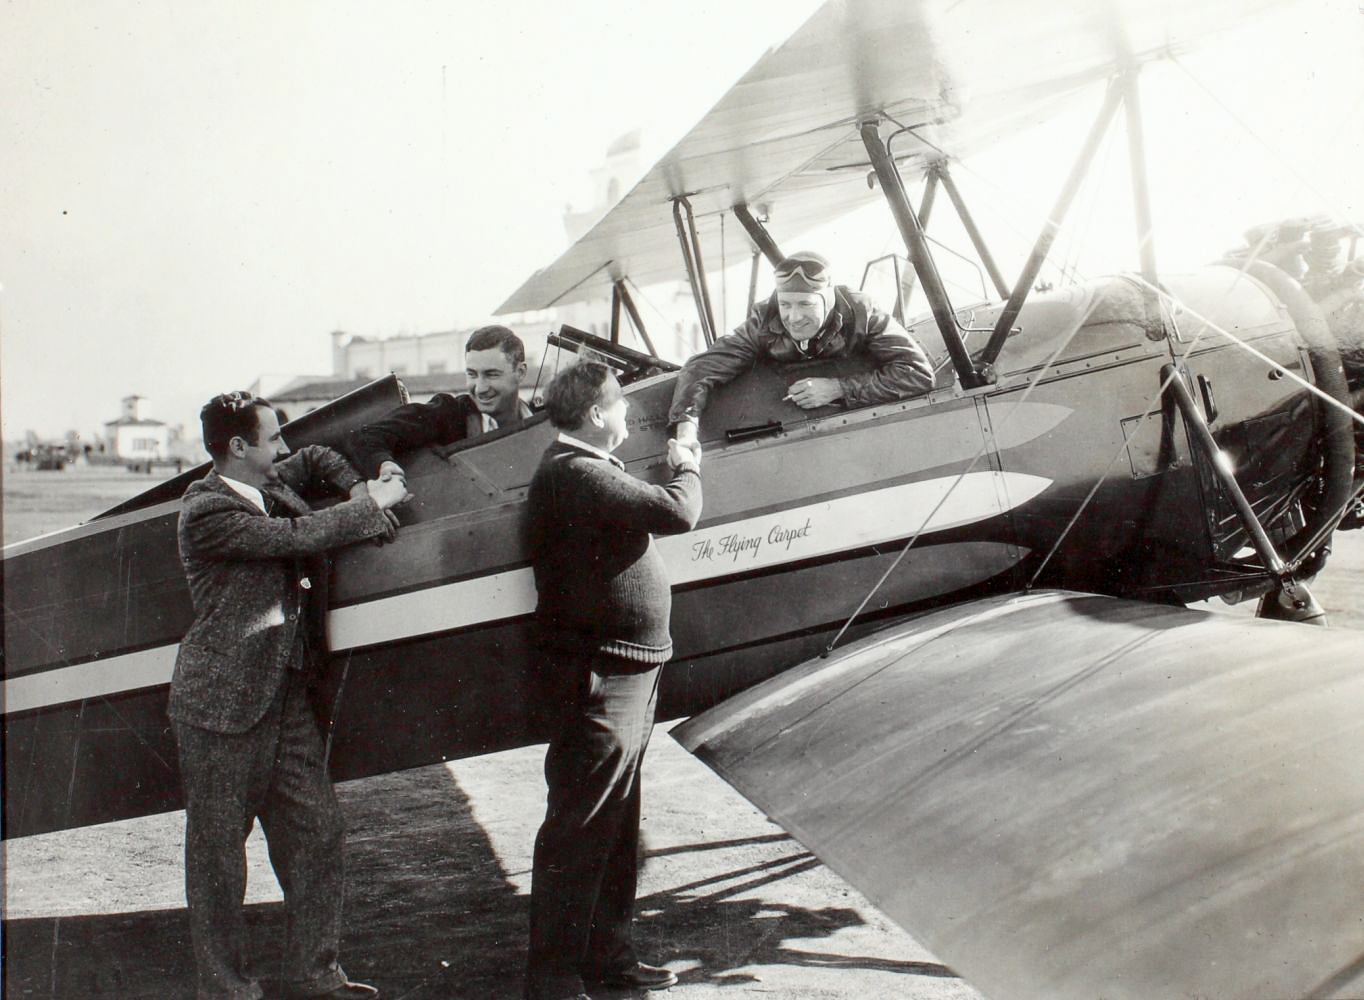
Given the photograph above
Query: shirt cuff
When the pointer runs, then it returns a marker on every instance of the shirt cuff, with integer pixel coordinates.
(688, 414)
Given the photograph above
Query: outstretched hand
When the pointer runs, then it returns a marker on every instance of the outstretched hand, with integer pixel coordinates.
(388, 492)
(681, 452)
(361, 489)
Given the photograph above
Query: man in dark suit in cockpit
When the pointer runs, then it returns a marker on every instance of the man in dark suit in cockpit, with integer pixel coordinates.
(495, 365)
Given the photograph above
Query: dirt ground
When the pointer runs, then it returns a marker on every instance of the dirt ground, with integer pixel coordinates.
(39, 502)
(438, 872)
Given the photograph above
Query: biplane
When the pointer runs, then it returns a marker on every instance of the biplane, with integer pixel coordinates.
(943, 640)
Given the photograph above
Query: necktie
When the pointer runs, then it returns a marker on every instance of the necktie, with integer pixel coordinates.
(274, 506)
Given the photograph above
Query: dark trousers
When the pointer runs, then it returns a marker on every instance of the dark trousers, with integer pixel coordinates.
(583, 880)
(275, 771)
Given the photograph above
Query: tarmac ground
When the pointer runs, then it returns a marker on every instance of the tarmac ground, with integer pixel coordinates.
(438, 876)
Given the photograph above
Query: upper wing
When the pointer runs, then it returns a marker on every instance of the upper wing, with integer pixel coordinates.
(1071, 796)
(784, 139)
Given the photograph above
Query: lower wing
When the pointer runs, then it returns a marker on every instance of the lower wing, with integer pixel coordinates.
(1071, 796)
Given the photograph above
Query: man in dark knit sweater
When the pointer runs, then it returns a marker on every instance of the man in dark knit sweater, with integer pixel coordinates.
(604, 604)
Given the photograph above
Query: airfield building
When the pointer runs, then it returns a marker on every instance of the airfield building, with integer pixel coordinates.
(135, 436)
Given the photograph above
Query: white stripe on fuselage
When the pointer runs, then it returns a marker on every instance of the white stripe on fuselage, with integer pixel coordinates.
(792, 535)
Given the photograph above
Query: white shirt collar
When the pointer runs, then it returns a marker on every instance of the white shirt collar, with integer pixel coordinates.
(490, 423)
(569, 439)
(250, 492)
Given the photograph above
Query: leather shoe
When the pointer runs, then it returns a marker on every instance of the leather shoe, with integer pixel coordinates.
(346, 991)
(638, 977)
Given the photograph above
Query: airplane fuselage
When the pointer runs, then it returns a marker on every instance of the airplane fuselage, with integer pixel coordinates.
(1071, 470)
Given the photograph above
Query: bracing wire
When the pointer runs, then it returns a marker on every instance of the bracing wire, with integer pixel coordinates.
(1152, 403)
(1207, 324)
(959, 478)
(1071, 272)
(535, 389)
(1305, 183)
(639, 296)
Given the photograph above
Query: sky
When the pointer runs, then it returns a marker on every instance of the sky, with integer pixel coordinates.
(192, 195)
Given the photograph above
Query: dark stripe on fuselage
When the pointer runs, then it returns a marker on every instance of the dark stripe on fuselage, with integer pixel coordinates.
(467, 691)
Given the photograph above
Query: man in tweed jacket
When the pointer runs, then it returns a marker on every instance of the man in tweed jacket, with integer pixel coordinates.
(249, 744)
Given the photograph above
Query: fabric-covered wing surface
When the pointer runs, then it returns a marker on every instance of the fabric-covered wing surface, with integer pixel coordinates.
(1071, 796)
(784, 138)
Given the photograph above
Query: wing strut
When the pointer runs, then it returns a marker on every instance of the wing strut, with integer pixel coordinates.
(1304, 607)
(1122, 90)
(938, 172)
(696, 270)
(1044, 240)
(912, 232)
(904, 288)
(615, 313)
(1141, 196)
(758, 233)
(620, 296)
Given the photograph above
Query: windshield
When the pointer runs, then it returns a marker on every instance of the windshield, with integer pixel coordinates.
(893, 286)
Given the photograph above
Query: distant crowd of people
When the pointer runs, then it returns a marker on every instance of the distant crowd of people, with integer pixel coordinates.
(249, 744)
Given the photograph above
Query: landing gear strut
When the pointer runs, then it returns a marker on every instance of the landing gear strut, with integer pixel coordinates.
(1290, 600)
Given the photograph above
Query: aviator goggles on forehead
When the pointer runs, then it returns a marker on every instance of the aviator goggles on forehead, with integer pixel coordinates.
(811, 270)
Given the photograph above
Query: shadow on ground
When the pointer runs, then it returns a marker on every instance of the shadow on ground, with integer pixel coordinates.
(431, 914)
(723, 934)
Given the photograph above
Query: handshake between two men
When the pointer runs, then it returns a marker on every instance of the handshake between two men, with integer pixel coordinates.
(392, 479)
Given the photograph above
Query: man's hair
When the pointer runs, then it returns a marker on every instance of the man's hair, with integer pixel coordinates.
(232, 414)
(485, 338)
(573, 392)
